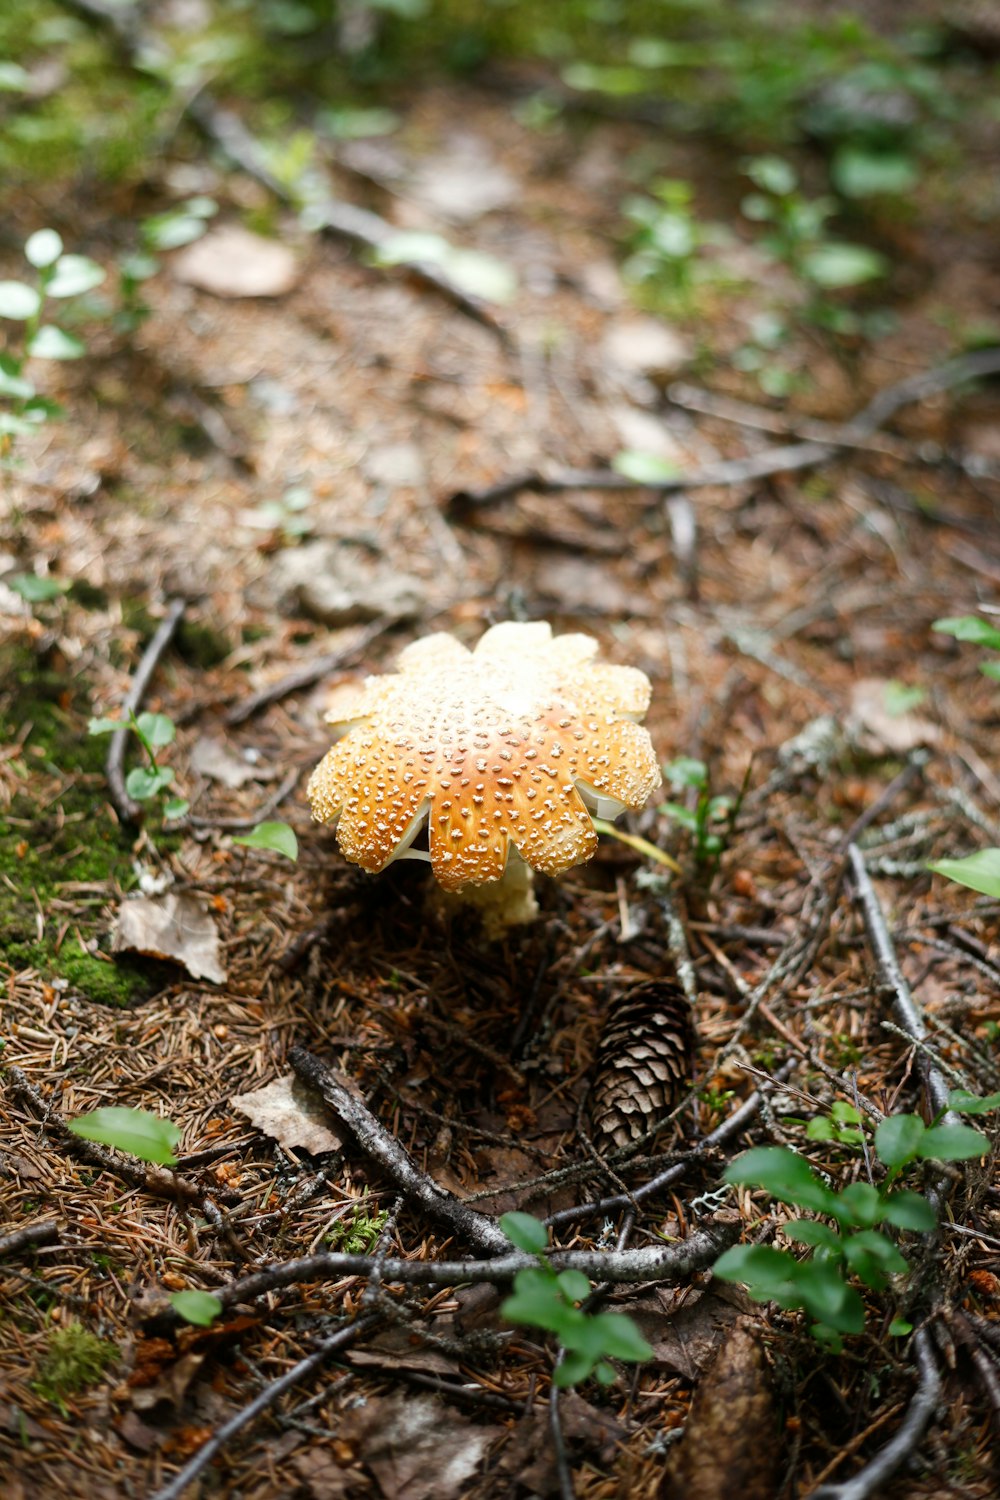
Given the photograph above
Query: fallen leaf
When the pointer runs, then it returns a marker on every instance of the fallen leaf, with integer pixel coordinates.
(395, 1350)
(730, 1445)
(684, 1339)
(322, 1477)
(463, 182)
(643, 346)
(231, 262)
(176, 927)
(415, 1447)
(171, 1388)
(290, 1115)
(212, 758)
(876, 725)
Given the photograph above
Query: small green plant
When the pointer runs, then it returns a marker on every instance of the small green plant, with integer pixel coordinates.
(75, 1359)
(199, 1308)
(666, 242)
(136, 1131)
(980, 632)
(161, 232)
(855, 1246)
(358, 1232)
(550, 1300)
(152, 781)
(710, 821)
(288, 517)
(980, 871)
(51, 276)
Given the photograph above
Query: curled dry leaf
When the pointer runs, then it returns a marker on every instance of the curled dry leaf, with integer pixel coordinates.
(415, 1447)
(176, 927)
(290, 1115)
(730, 1446)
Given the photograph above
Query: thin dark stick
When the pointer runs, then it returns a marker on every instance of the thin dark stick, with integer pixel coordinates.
(267, 1397)
(376, 1142)
(645, 1263)
(241, 825)
(563, 1472)
(114, 766)
(305, 676)
(778, 460)
(30, 1237)
(899, 1448)
(907, 1013)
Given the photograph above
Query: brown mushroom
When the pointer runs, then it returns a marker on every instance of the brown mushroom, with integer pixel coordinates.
(502, 751)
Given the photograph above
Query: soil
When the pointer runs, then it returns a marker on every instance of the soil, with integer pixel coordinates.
(380, 401)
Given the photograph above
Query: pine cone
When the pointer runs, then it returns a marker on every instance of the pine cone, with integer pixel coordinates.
(643, 1062)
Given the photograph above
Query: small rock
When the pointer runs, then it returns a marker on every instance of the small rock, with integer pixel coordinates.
(232, 262)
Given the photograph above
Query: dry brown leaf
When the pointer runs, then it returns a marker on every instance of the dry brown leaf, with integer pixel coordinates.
(171, 1388)
(231, 262)
(877, 727)
(730, 1446)
(175, 926)
(684, 1339)
(415, 1447)
(213, 758)
(322, 1477)
(290, 1115)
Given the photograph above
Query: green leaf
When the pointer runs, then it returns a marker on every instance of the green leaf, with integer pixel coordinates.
(821, 1129)
(952, 1143)
(899, 698)
(278, 837)
(899, 1328)
(605, 1374)
(18, 300)
(769, 1274)
(135, 1131)
(812, 1232)
(539, 1303)
(105, 726)
(141, 783)
(859, 172)
(980, 872)
(970, 628)
(43, 248)
(773, 174)
(686, 771)
(574, 1285)
(51, 342)
(175, 807)
(785, 1174)
(200, 1308)
(157, 729)
(972, 1104)
(844, 1113)
(74, 274)
(908, 1211)
(827, 1297)
(528, 1234)
(620, 1338)
(573, 1368)
(873, 1256)
(37, 590)
(644, 468)
(990, 669)
(861, 1204)
(482, 275)
(13, 78)
(834, 265)
(15, 386)
(171, 231)
(897, 1139)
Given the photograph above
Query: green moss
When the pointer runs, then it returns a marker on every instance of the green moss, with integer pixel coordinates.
(58, 838)
(75, 1359)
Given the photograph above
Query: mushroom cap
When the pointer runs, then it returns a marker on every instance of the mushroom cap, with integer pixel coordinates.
(497, 748)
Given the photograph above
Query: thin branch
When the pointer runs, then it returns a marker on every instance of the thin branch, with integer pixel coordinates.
(777, 460)
(240, 825)
(903, 1445)
(29, 1238)
(646, 1263)
(376, 1142)
(267, 1397)
(114, 766)
(563, 1472)
(905, 1007)
(308, 674)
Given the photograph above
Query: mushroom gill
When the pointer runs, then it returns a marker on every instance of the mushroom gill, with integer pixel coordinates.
(507, 747)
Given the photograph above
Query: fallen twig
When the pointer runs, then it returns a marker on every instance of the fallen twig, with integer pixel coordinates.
(647, 1263)
(29, 1238)
(907, 1014)
(899, 1448)
(240, 825)
(473, 1227)
(563, 1472)
(305, 676)
(855, 433)
(358, 226)
(114, 766)
(267, 1397)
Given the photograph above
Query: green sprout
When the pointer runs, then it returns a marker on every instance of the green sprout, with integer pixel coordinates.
(146, 783)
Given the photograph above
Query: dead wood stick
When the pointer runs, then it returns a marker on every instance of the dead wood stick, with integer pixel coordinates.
(720, 1136)
(564, 1474)
(240, 825)
(30, 1237)
(114, 766)
(376, 1142)
(359, 227)
(308, 674)
(645, 1263)
(911, 1430)
(267, 1397)
(778, 460)
(910, 1020)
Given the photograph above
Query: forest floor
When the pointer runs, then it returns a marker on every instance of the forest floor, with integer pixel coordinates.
(785, 624)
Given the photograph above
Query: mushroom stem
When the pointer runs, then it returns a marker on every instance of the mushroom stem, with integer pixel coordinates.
(507, 902)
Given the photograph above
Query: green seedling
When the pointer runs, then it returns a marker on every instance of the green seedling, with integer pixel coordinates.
(979, 632)
(278, 837)
(135, 1131)
(152, 781)
(199, 1308)
(710, 821)
(666, 243)
(853, 1245)
(50, 276)
(158, 234)
(550, 1300)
